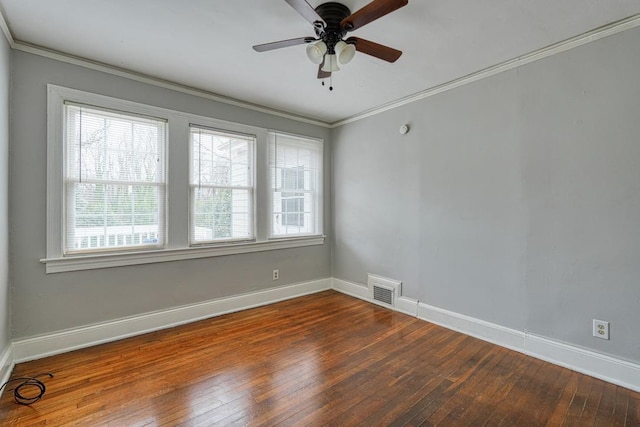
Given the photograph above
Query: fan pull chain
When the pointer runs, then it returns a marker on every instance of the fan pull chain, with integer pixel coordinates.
(330, 81)
(331, 59)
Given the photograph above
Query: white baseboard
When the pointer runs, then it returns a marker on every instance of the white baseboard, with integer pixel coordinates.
(607, 368)
(350, 288)
(402, 304)
(407, 306)
(64, 341)
(598, 365)
(496, 334)
(6, 364)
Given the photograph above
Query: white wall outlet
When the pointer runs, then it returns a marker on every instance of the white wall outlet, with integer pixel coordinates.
(276, 274)
(601, 329)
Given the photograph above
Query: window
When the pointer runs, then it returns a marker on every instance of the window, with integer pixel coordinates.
(221, 186)
(129, 183)
(293, 202)
(296, 171)
(114, 180)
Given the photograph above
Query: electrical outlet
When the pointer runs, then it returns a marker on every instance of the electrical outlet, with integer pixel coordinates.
(276, 274)
(601, 329)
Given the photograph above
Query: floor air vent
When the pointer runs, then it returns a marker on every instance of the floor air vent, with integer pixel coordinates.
(384, 295)
(383, 291)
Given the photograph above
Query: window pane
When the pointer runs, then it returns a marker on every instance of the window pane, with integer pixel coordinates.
(222, 185)
(220, 214)
(113, 215)
(114, 180)
(296, 167)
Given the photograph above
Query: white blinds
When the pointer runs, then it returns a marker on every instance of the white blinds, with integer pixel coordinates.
(114, 180)
(295, 165)
(222, 189)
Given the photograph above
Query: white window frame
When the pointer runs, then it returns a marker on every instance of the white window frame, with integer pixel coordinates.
(251, 188)
(318, 194)
(177, 245)
(299, 199)
(68, 205)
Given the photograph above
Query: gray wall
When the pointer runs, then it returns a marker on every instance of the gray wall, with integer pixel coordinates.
(5, 309)
(514, 199)
(47, 303)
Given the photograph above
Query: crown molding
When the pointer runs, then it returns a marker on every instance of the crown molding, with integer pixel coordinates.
(5, 29)
(562, 46)
(156, 81)
(571, 43)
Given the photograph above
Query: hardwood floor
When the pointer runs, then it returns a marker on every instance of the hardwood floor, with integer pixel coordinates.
(323, 359)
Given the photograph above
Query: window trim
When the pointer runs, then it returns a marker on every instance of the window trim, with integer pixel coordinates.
(102, 260)
(319, 193)
(66, 181)
(176, 244)
(252, 188)
(299, 197)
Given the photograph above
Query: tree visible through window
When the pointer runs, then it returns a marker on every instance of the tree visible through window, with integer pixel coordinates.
(227, 188)
(114, 180)
(221, 185)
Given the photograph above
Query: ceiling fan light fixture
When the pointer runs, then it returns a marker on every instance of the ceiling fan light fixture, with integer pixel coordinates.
(330, 64)
(331, 22)
(345, 52)
(316, 51)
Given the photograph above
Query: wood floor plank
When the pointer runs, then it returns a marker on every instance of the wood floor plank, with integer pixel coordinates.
(579, 400)
(561, 409)
(547, 389)
(606, 406)
(619, 416)
(588, 416)
(467, 387)
(487, 399)
(633, 410)
(322, 359)
(513, 394)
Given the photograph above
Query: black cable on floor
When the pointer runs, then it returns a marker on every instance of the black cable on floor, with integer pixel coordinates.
(27, 382)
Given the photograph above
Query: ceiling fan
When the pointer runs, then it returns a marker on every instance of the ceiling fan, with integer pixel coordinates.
(331, 22)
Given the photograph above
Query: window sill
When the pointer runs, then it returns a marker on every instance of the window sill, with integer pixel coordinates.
(91, 262)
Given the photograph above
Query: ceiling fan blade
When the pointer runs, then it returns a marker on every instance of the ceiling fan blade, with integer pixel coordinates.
(282, 43)
(323, 74)
(383, 52)
(374, 10)
(307, 12)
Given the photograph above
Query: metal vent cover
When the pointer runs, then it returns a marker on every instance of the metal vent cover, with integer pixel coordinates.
(383, 291)
(384, 295)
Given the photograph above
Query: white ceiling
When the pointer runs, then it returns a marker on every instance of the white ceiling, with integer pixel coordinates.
(206, 44)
